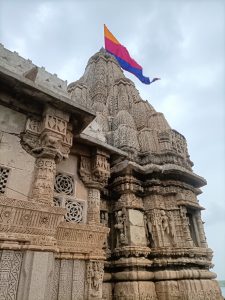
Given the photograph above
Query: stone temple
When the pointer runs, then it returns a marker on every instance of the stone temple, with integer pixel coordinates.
(98, 199)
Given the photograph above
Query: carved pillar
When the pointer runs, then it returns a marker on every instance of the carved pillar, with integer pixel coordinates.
(94, 173)
(93, 215)
(49, 140)
(44, 180)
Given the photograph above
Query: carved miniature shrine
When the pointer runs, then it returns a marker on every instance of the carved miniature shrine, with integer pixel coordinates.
(98, 199)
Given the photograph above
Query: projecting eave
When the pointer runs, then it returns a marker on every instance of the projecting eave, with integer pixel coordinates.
(27, 96)
(169, 171)
(89, 140)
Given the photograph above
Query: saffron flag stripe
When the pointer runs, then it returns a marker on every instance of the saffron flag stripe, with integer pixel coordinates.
(110, 36)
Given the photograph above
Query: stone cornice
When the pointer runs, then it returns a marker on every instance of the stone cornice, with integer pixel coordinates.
(171, 171)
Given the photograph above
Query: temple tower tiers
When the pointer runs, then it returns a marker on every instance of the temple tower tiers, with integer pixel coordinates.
(98, 199)
(157, 247)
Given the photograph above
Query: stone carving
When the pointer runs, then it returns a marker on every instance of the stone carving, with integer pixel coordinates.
(93, 215)
(33, 126)
(172, 227)
(148, 229)
(121, 228)
(162, 228)
(74, 211)
(82, 238)
(49, 141)
(95, 171)
(78, 283)
(104, 218)
(44, 181)
(54, 289)
(30, 222)
(4, 174)
(95, 271)
(129, 201)
(55, 124)
(186, 225)
(65, 279)
(10, 264)
(64, 184)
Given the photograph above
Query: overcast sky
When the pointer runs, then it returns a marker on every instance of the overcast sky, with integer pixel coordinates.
(183, 42)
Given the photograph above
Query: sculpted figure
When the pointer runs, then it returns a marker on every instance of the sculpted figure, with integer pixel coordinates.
(172, 227)
(148, 230)
(121, 228)
(104, 218)
(165, 223)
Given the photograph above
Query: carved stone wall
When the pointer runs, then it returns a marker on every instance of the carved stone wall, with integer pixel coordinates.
(12, 157)
(10, 266)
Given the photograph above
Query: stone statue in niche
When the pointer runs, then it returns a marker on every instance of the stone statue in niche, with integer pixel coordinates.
(165, 222)
(120, 226)
(186, 225)
(162, 228)
(148, 230)
(95, 272)
(165, 229)
(104, 218)
(172, 227)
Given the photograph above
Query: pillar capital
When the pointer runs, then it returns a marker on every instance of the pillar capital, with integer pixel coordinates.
(50, 136)
(95, 170)
(49, 139)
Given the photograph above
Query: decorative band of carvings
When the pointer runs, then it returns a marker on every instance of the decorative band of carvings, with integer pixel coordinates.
(10, 202)
(197, 251)
(84, 238)
(28, 225)
(183, 261)
(129, 251)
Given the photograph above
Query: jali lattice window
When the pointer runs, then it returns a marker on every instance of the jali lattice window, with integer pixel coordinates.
(4, 174)
(64, 184)
(64, 188)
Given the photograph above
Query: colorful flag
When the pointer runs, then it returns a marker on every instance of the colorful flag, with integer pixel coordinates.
(113, 46)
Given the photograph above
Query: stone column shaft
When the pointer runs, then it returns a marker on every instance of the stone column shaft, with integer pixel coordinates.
(43, 186)
(93, 211)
